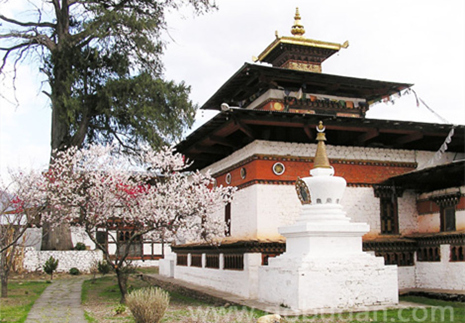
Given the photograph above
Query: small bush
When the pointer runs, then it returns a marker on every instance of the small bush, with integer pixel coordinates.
(50, 266)
(80, 246)
(103, 267)
(120, 309)
(148, 305)
(74, 271)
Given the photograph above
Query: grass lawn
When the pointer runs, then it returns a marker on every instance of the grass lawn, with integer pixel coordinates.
(101, 302)
(21, 297)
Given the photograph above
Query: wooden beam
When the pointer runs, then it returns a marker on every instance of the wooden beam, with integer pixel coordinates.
(222, 141)
(308, 132)
(409, 138)
(370, 134)
(223, 131)
(245, 129)
(212, 150)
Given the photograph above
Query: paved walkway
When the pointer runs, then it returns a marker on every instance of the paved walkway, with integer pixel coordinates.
(59, 303)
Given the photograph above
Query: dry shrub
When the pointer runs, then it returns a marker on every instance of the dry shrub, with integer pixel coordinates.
(148, 305)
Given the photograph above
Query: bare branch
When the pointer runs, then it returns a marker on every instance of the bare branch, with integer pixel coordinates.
(38, 38)
(28, 24)
(9, 50)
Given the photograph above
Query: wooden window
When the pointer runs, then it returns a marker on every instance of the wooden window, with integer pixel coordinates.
(213, 261)
(429, 254)
(196, 260)
(135, 248)
(389, 215)
(401, 259)
(102, 237)
(227, 219)
(447, 218)
(234, 261)
(457, 253)
(181, 259)
(447, 204)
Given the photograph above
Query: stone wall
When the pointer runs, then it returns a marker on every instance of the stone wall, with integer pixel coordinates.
(34, 260)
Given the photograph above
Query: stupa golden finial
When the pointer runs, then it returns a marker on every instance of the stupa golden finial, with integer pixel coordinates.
(321, 159)
(297, 29)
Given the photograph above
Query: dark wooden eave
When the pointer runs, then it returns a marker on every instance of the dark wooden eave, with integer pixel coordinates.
(253, 79)
(231, 130)
(432, 178)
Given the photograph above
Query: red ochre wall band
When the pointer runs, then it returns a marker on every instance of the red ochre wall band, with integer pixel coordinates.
(430, 207)
(259, 169)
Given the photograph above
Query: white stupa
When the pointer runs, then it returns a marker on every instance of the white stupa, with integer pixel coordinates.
(324, 267)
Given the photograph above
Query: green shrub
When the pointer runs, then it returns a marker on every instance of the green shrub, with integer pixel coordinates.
(148, 305)
(74, 271)
(103, 267)
(50, 266)
(80, 246)
(120, 309)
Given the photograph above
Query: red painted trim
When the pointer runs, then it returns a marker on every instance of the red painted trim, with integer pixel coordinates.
(259, 169)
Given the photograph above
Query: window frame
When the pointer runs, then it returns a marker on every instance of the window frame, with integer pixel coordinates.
(448, 222)
(391, 204)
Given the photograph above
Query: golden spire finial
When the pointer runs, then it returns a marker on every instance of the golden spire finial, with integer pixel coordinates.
(297, 29)
(321, 159)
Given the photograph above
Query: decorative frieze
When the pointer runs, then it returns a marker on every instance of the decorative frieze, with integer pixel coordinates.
(387, 191)
(447, 200)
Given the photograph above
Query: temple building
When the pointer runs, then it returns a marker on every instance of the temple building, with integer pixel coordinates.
(404, 179)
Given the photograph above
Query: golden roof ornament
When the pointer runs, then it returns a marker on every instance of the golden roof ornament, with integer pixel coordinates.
(321, 159)
(297, 29)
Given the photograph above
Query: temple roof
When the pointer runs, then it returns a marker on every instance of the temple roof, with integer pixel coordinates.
(432, 178)
(252, 80)
(298, 52)
(231, 130)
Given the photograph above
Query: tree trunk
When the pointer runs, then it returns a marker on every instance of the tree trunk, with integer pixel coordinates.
(4, 274)
(56, 238)
(123, 284)
(60, 237)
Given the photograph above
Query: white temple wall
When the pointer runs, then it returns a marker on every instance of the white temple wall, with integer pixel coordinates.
(442, 274)
(278, 205)
(429, 223)
(408, 214)
(406, 277)
(244, 213)
(361, 205)
(243, 283)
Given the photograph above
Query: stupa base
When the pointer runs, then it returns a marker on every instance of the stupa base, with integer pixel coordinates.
(325, 284)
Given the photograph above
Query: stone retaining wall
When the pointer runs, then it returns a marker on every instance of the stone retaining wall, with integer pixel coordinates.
(34, 260)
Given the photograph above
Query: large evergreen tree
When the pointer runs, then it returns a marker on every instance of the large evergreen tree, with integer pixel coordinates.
(102, 62)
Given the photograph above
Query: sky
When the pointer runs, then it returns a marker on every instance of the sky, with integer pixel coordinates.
(416, 41)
